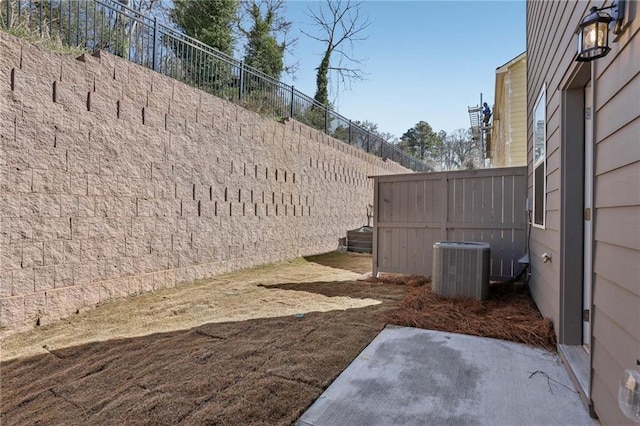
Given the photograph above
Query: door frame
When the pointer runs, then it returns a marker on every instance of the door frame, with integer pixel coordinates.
(589, 161)
(572, 207)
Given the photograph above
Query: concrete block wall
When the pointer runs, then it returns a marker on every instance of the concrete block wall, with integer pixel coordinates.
(116, 180)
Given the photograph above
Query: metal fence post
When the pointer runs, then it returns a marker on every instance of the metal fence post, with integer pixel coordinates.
(8, 14)
(69, 24)
(51, 19)
(241, 83)
(292, 97)
(39, 18)
(349, 132)
(368, 136)
(154, 52)
(326, 120)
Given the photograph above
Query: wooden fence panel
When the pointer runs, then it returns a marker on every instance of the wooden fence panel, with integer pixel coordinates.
(413, 212)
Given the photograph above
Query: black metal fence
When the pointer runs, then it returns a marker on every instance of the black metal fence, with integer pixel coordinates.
(112, 26)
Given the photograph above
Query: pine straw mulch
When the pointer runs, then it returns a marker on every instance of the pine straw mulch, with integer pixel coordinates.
(509, 313)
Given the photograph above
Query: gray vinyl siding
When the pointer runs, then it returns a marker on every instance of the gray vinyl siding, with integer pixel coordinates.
(541, 33)
(551, 48)
(616, 296)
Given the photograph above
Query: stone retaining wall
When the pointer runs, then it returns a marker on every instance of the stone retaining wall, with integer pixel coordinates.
(116, 180)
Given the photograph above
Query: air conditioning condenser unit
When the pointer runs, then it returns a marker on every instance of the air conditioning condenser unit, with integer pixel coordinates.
(461, 269)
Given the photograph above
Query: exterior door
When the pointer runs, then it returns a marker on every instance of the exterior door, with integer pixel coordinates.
(588, 214)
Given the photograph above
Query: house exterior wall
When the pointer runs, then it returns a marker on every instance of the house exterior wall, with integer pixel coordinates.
(509, 146)
(615, 310)
(116, 180)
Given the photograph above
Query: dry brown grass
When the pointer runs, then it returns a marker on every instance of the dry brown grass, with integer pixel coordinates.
(229, 350)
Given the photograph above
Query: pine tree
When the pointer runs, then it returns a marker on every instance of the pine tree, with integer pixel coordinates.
(209, 21)
(263, 51)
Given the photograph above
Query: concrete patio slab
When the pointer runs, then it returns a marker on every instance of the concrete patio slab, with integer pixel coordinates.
(409, 376)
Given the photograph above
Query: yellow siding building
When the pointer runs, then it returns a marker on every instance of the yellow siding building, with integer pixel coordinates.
(509, 137)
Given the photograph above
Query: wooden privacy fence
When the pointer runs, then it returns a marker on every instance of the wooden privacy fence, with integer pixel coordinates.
(414, 211)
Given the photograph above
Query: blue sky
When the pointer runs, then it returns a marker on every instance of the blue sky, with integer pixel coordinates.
(425, 60)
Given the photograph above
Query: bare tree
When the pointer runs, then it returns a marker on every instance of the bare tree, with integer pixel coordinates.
(143, 8)
(458, 151)
(373, 129)
(149, 8)
(340, 25)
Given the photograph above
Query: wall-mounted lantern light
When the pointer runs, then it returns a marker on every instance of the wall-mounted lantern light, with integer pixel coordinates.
(593, 31)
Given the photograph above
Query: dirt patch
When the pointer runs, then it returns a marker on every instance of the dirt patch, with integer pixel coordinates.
(224, 351)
